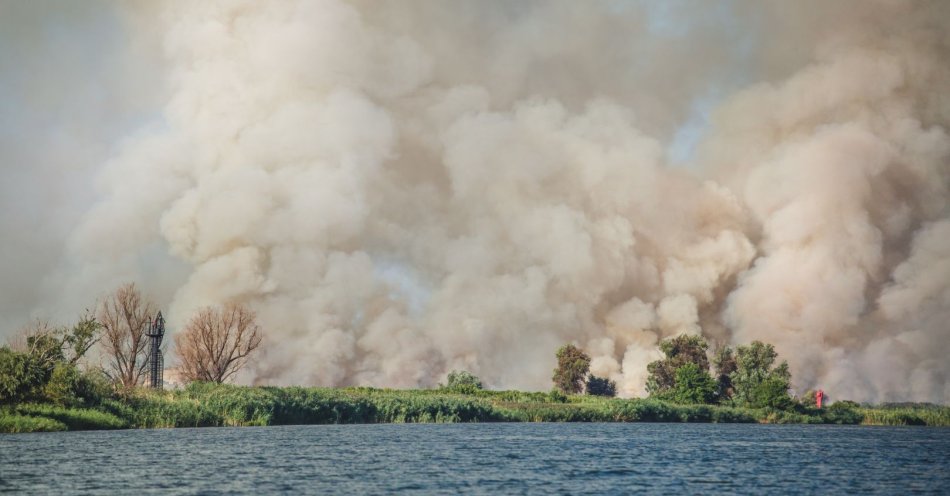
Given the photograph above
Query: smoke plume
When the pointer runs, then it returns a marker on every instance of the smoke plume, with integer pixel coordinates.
(401, 189)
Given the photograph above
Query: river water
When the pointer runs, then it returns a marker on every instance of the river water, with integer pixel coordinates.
(482, 458)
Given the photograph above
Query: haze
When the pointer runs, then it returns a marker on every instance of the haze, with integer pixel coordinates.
(401, 189)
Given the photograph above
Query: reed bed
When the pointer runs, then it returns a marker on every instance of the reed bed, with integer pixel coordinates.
(208, 405)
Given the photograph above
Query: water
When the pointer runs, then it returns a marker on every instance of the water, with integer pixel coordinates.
(482, 458)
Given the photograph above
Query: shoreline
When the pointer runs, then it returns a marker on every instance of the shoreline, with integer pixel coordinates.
(215, 405)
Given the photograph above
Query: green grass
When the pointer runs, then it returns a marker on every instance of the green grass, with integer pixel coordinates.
(207, 405)
(12, 422)
(72, 418)
(914, 415)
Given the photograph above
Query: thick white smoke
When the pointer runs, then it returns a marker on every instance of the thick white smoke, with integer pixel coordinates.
(404, 189)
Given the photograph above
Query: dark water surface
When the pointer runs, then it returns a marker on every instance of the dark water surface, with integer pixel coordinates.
(482, 458)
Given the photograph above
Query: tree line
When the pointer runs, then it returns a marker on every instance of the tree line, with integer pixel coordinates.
(49, 364)
(45, 363)
(746, 376)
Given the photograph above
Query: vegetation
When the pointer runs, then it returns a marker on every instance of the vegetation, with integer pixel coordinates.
(757, 381)
(572, 367)
(460, 381)
(679, 352)
(210, 404)
(14, 423)
(692, 385)
(125, 316)
(600, 386)
(217, 343)
(44, 367)
(746, 377)
(43, 386)
(905, 414)
(724, 362)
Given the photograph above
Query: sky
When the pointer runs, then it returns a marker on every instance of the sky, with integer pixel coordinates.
(403, 189)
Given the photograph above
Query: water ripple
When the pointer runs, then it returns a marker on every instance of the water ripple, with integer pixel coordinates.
(481, 459)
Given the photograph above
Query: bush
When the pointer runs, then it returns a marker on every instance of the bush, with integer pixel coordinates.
(842, 412)
(556, 396)
(460, 381)
(62, 385)
(46, 370)
(21, 376)
(601, 386)
(733, 416)
(93, 387)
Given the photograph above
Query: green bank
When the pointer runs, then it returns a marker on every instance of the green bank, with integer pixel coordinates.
(209, 405)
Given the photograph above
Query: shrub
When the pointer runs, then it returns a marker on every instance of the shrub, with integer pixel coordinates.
(556, 396)
(601, 386)
(62, 385)
(460, 381)
(842, 412)
(21, 376)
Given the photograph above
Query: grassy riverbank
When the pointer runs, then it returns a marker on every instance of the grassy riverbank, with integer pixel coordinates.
(205, 405)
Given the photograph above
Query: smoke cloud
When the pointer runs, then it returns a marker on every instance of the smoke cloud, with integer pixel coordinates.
(400, 190)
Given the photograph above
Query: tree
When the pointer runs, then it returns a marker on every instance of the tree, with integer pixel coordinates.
(757, 382)
(42, 363)
(461, 381)
(724, 361)
(125, 316)
(572, 367)
(679, 351)
(21, 375)
(693, 386)
(81, 337)
(601, 386)
(217, 343)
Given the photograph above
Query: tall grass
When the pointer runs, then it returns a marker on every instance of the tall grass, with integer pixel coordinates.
(72, 418)
(205, 405)
(933, 416)
(14, 423)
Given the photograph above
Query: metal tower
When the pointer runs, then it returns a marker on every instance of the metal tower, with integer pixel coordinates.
(156, 362)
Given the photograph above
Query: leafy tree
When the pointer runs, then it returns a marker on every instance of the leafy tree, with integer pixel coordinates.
(724, 362)
(43, 366)
(572, 367)
(21, 375)
(693, 386)
(461, 381)
(601, 386)
(62, 384)
(679, 351)
(81, 338)
(757, 382)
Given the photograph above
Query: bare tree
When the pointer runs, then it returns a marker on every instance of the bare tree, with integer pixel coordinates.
(124, 317)
(217, 343)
